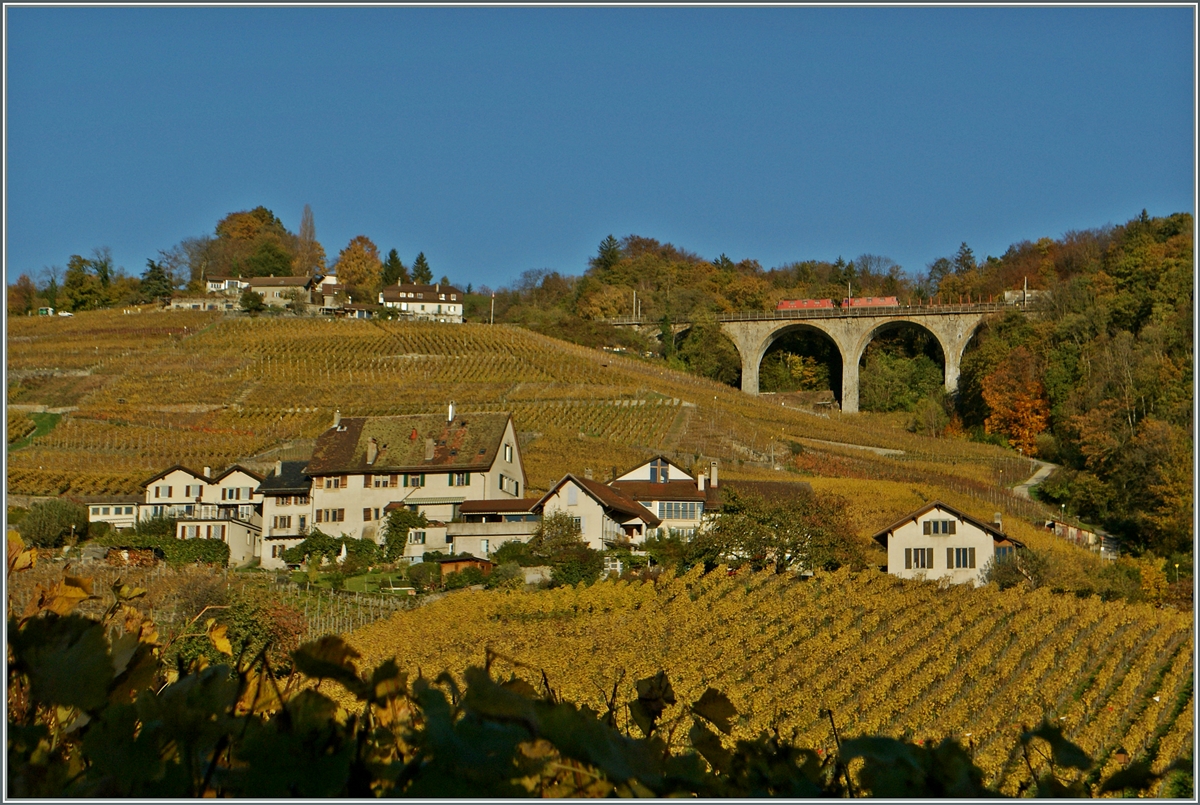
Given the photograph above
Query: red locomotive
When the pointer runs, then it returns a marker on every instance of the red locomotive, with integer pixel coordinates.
(870, 301)
(803, 304)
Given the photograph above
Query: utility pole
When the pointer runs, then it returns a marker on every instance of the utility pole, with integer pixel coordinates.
(492, 319)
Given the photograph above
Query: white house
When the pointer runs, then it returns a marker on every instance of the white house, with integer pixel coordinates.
(226, 507)
(678, 499)
(280, 291)
(286, 510)
(485, 525)
(424, 302)
(939, 542)
(119, 511)
(364, 466)
(231, 286)
(606, 516)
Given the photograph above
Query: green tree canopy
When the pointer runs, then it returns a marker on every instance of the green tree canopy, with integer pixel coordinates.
(422, 274)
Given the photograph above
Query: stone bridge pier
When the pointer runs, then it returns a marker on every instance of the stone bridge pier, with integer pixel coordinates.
(851, 333)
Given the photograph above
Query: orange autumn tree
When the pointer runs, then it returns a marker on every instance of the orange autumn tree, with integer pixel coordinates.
(1017, 400)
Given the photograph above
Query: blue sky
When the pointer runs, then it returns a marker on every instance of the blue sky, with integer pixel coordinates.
(498, 140)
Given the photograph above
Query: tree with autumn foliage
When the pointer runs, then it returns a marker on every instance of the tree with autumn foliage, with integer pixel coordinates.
(1017, 399)
(359, 268)
(310, 255)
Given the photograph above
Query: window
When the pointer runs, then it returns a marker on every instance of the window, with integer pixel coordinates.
(331, 515)
(129, 510)
(1004, 552)
(303, 520)
(382, 481)
(960, 557)
(679, 510)
(301, 500)
(460, 479)
(367, 515)
(416, 537)
(939, 526)
(282, 521)
(659, 471)
(283, 501)
(95, 510)
(918, 558)
(508, 452)
(333, 482)
(578, 521)
(572, 495)
(510, 485)
(105, 510)
(414, 479)
(277, 551)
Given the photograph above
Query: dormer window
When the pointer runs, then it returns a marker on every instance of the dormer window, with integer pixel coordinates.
(658, 471)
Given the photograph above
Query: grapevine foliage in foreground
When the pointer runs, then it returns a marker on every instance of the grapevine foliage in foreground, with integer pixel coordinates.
(92, 712)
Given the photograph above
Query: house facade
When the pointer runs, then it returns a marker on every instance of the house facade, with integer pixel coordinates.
(679, 500)
(363, 467)
(286, 511)
(281, 291)
(484, 525)
(442, 303)
(939, 542)
(229, 286)
(119, 511)
(606, 517)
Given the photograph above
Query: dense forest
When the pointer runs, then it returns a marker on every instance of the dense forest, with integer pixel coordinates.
(1099, 380)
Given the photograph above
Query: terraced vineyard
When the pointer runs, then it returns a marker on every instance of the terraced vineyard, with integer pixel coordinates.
(887, 656)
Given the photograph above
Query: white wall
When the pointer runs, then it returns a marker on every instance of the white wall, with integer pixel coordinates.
(911, 535)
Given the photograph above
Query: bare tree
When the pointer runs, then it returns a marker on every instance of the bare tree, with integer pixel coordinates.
(310, 256)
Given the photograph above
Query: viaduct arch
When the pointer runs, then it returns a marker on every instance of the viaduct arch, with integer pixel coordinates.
(851, 331)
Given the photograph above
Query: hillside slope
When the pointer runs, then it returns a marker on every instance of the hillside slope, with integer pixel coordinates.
(154, 389)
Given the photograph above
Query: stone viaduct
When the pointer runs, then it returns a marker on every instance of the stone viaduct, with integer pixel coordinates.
(850, 330)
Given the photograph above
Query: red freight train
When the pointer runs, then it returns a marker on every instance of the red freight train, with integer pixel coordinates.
(871, 301)
(803, 304)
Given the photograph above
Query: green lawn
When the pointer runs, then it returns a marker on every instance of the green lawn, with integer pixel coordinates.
(365, 583)
(45, 423)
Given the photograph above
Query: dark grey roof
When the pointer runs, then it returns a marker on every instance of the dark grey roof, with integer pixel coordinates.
(292, 481)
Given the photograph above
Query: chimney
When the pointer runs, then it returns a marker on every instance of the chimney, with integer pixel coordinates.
(429, 449)
(700, 482)
(208, 472)
(587, 473)
(712, 474)
(372, 450)
(996, 521)
(278, 468)
(450, 416)
(337, 417)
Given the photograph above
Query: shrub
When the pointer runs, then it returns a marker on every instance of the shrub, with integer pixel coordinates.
(514, 552)
(507, 576)
(424, 575)
(465, 578)
(575, 565)
(175, 551)
(55, 523)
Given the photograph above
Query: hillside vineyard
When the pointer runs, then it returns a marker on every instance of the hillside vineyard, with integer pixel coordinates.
(147, 391)
(888, 657)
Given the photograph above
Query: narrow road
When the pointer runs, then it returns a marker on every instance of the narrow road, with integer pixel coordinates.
(1044, 470)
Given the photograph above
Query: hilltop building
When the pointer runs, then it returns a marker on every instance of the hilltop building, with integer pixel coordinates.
(442, 303)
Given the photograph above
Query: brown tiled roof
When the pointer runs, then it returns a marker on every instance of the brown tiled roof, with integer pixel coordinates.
(500, 506)
(649, 490)
(989, 528)
(234, 468)
(278, 282)
(607, 497)
(468, 444)
(423, 293)
(172, 469)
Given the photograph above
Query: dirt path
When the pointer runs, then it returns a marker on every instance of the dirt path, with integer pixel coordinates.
(1044, 470)
(883, 451)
